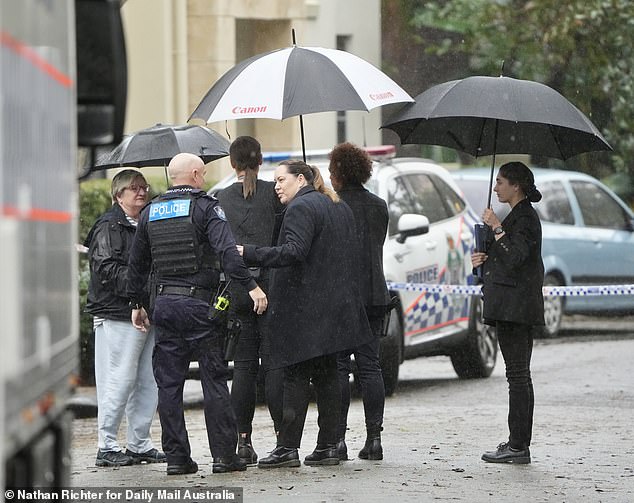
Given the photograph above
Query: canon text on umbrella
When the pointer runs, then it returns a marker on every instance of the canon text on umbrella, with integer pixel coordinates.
(381, 96)
(238, 110)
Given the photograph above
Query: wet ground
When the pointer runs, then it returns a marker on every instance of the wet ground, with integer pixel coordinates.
(437, 426)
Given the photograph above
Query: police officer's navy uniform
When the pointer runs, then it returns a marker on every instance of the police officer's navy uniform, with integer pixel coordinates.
(182, 239)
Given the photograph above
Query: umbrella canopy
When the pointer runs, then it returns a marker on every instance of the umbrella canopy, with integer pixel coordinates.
(497, 115)
(156, 145)
(297, 81)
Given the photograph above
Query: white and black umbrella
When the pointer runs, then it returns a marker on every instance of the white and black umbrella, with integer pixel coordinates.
(156, 145)
(296, 81)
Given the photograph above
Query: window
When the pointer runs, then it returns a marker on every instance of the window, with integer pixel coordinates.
(417, 193)
(453, 201)
(554, 206)
(427, 197)
(398, 202)
(598, 208)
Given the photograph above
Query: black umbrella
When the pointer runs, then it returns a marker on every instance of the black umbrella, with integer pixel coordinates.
(156, 145)
(497, 115)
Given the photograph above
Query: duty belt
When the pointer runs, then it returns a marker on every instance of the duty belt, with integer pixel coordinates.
(187, 291)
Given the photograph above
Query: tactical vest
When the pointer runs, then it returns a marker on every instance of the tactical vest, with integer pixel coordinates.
(173, 239)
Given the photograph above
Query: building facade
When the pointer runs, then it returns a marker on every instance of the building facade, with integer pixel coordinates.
(177, 49)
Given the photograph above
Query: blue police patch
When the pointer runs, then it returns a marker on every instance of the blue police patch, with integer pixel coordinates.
(169, 209)
(220, 212)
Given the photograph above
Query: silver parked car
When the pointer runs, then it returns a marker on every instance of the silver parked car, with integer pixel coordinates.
(588, 238)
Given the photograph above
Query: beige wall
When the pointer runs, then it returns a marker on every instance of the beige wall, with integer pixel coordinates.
(178, 48)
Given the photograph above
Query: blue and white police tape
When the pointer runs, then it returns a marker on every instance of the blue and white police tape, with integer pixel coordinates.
(549, 291)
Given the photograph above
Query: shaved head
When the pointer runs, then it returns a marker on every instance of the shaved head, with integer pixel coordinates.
(187, 169)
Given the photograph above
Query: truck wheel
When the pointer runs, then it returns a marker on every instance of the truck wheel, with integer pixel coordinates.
(477, 355)
(390, 353)
(553, 309)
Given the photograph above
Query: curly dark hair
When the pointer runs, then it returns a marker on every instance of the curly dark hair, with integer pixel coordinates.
(350, 164)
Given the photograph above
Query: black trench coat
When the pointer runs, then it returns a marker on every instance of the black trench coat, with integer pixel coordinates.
(514, 271)
(315, 307)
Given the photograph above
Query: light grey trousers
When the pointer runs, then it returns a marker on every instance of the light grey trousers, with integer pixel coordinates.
(125, 384)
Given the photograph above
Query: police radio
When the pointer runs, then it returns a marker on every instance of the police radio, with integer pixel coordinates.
(220, 303)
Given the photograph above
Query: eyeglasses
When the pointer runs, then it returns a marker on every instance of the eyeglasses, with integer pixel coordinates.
(138, 188)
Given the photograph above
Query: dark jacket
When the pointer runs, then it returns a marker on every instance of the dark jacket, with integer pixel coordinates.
(514, 271)
(252, 222)
(315, 307)
(211, 226)
(371, 218)
(109, 242)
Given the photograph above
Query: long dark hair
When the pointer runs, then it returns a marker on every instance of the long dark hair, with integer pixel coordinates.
(517, 173)
(245, 153)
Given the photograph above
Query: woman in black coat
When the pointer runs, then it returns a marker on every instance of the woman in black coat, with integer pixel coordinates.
(315, 308)
(350, 167)
(513, 301)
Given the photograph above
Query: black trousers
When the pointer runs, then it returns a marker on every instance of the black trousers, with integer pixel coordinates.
(297, 378)
(183, 333)
(251, 350)
(370, 378)
(516, 345)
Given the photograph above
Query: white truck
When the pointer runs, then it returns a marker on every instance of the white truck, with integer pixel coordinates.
(39, 306)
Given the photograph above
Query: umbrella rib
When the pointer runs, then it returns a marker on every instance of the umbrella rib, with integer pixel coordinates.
(557, 142)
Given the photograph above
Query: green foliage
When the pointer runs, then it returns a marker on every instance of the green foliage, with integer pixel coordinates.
(94, 200)
(582, 48)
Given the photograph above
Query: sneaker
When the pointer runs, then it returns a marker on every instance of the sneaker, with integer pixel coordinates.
(323, 455)
(228, 464)
(190, 467)
(151, 456)
(507, 454)
(113, 458)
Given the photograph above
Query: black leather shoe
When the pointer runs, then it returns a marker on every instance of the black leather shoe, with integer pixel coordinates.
(323, 455)
(229, 464)
(507, 454)
(279, 457)
(342, 450)
(151, 456)
(190, 467)
(372, 450)
(246, 452)
(112, 458)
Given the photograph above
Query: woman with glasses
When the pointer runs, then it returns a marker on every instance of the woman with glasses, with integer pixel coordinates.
(123, 355)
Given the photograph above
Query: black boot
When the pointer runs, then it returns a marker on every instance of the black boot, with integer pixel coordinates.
(246, 452)
(372, 449)
(342, 450)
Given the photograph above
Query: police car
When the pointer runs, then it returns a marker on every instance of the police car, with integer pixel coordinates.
(429, 242)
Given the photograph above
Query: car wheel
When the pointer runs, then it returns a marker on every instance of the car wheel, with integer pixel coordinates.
(553, 309)
(390, 352)
(476, 357)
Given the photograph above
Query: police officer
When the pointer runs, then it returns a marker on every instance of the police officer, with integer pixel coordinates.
(182, 239)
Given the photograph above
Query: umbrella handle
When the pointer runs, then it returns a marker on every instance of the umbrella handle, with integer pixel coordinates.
(301, 129)
(495, 141)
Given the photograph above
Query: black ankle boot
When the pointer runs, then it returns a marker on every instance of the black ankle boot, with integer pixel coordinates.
(342, 450)
(372, 449)
(246, 453)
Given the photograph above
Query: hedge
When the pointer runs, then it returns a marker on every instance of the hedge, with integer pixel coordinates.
(94, 200)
